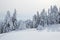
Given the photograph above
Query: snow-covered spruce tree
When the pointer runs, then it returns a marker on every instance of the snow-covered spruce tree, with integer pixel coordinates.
(43, 18)
(6, 25)
(55, 12)
(59, 16)
(36, 20)
(52, 15)
(1, 27)
(14, 20)
(49, 16)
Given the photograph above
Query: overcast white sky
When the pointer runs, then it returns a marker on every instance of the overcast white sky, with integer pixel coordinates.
(25, 8)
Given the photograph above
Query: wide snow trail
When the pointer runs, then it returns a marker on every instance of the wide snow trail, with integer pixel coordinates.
(30, 34)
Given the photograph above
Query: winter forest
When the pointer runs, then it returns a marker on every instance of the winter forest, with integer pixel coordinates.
(41, 20)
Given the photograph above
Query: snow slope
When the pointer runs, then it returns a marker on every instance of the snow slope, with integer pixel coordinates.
(30, 34)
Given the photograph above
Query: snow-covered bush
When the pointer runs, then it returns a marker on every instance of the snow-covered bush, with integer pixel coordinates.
(29, 24)
(40, 27)
(22, 25)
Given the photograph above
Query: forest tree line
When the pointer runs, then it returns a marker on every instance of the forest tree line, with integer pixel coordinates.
(10, 23)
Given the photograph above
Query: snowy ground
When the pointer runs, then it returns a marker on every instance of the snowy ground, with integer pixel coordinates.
(30, 34)
(33, 34)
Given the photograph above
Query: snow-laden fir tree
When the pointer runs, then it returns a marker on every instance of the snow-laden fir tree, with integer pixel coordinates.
(49, 16)
(6, 24)
(1, 27)
(55, 13)
(14, 20)
(43, 18)
(59, 16)
(36, 20)
(52, 15)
